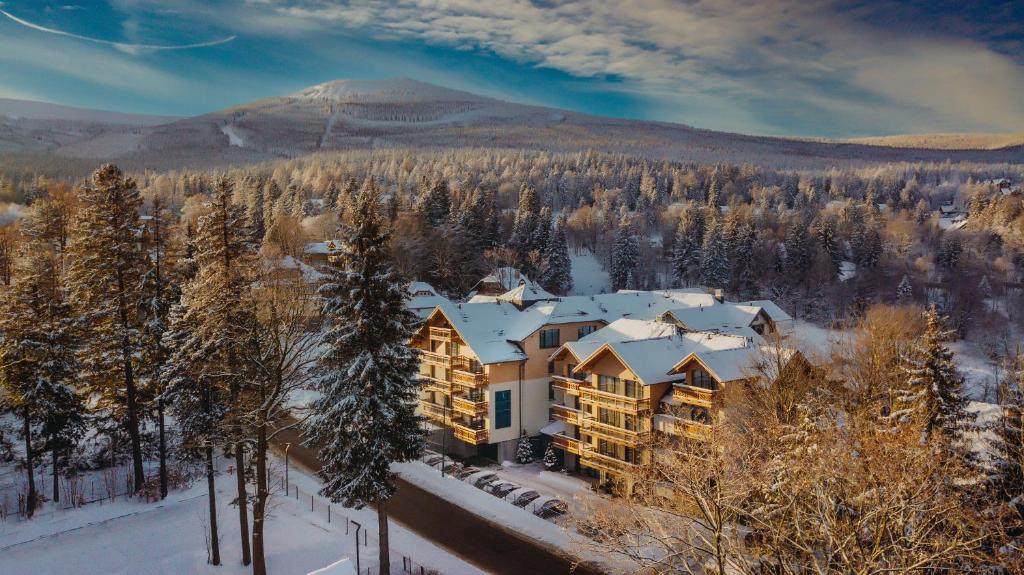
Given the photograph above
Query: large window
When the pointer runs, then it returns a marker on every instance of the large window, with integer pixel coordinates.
(548, 338)
(503, 409)
(585, 330)
(607, 383)
(700, 378)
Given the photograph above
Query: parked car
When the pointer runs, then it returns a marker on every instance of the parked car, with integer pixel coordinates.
(525, 498)
(550, 508)
(483, 480)
(500, 490)
(432, 459)
(465, 472)
(454, 468)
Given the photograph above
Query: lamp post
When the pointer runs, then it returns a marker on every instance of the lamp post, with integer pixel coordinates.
(444, 432)
(287, 485)
(357, 545)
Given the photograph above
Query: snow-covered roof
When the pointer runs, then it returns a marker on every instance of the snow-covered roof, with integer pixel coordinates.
(485, 329)
(324, 247)
(554, 428)
(774, 311)
(526, 292)
(418, 287)
(725, 317)
(309, 273)
(727, 365)
(424, 305)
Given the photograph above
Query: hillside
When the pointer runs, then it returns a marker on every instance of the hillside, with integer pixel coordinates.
(405, 113)
(979, 141)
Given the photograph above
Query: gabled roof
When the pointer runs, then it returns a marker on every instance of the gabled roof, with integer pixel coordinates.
(484, 328)
(725, 318)
(527, 292)
(727, 365)
(774, 311)
(324, 247)
(417, 287)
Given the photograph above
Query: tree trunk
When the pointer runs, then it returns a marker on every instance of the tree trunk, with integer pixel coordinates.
(30, 505)
(259, 508)
(382, 536)
(129, 385)
(56, 475)
(243, 502)
(211, 495)
(163, 449)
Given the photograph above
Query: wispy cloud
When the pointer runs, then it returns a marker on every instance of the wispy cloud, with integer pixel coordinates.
(130, 48)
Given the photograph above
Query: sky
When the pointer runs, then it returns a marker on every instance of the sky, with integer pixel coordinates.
(823, 68)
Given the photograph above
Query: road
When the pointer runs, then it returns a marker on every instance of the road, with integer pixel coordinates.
(477, 540)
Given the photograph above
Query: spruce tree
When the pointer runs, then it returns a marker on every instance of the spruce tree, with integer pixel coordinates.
(1007, 448)
(931, 394)
(904, 291)
(524, 449)
(714, 267)
(436, 203)
(365, 418)
(686, 253)
(557, 278)
(524, 228)
(105, 276)
(550, 458)
(625, 254)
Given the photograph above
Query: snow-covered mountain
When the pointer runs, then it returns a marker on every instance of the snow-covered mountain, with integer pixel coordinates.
(29, 110)
(405, 113)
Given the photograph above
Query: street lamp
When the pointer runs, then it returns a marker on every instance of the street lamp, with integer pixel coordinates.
(444, 432)
(287, 485)
(357, 545)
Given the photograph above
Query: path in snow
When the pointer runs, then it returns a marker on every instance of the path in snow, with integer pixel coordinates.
(588, 276)
(331, 120)
(233, 138)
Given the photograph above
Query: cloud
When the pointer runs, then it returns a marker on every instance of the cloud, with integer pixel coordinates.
(806, 61)
(129, 48)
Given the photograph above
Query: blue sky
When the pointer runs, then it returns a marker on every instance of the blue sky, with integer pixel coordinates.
(830, 68)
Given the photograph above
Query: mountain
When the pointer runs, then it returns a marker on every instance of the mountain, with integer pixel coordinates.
(405, 113)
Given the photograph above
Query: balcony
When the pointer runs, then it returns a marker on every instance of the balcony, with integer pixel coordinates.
(432, 358)
(612, 400)
(434, 384)
(606, 463)
(681, 427)
(470, 407)
(566, 414)
(468, 379)
(567, 444)
(441, 333)
(434, 412)
(613, 432)
(691, 395)
(470, 435)
(567, 384)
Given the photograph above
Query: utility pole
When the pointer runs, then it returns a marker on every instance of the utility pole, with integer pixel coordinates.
(286, 483)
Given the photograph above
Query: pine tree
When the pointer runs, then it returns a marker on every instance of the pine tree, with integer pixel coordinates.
(798, 252)
(224, 259)
(686, 254)
(827, 233)
(200, 404)
(37, 360)
(524, 450)
(1007, 447)
(436, 204)
(904, 291)
(625, 254)
(932, 394)
(365, 418)
(558, 265)
(524, 227)
(105, 277)
(714, 266)
(550, 458)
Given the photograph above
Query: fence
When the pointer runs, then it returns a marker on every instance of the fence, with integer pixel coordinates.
(335, 514)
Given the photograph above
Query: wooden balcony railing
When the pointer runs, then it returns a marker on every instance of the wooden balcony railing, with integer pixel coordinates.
(469, 379)
(434, 384)
(612, 400)
(693, 429)
(441, 333)
(567, 384)
(435, 412)
(613, 432)
(568, 444)
(470, 407)
(598, 460)
(566, 414)
(691, 395)
(435, 358)
(470, 435)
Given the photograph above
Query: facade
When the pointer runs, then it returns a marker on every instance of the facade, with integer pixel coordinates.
(497, 369)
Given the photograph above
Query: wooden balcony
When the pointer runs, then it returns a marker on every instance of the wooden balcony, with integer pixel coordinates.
(470, 407)
(432, 358)
(435, 384)
(469, 379)
(566, 414)
(615, 433)
(691, 395)
(567, 444)
(681, 427)
(606, 463)
(470, 435)
(434, 412)
(441, 333)
(612, 400)
(567, 384)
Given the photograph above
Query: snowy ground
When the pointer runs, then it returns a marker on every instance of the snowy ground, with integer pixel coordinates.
(588, 276)
(168, 537)
(233, 138)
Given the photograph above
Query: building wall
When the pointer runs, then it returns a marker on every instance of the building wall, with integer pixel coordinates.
(533, 415)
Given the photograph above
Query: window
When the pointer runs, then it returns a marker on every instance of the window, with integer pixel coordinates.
(551, 367)
(608, 383)
(548, 338)
(700, 378)
(630, 422)
(628, 454)
(631, 388)
(568, 370)
(503, 409)
(455, 348)
(551, 391)
(585, 330)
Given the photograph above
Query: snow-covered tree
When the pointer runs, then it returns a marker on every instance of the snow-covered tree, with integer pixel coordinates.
(524, 450)
(105, 276)
(904, 291)
(625, 254)
(714, 266)
(524, 228)
(686, 253)
(365, 418)
(436, 204)
(550, 458)
(557, 277)
(931, 393)
(1007, 448)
